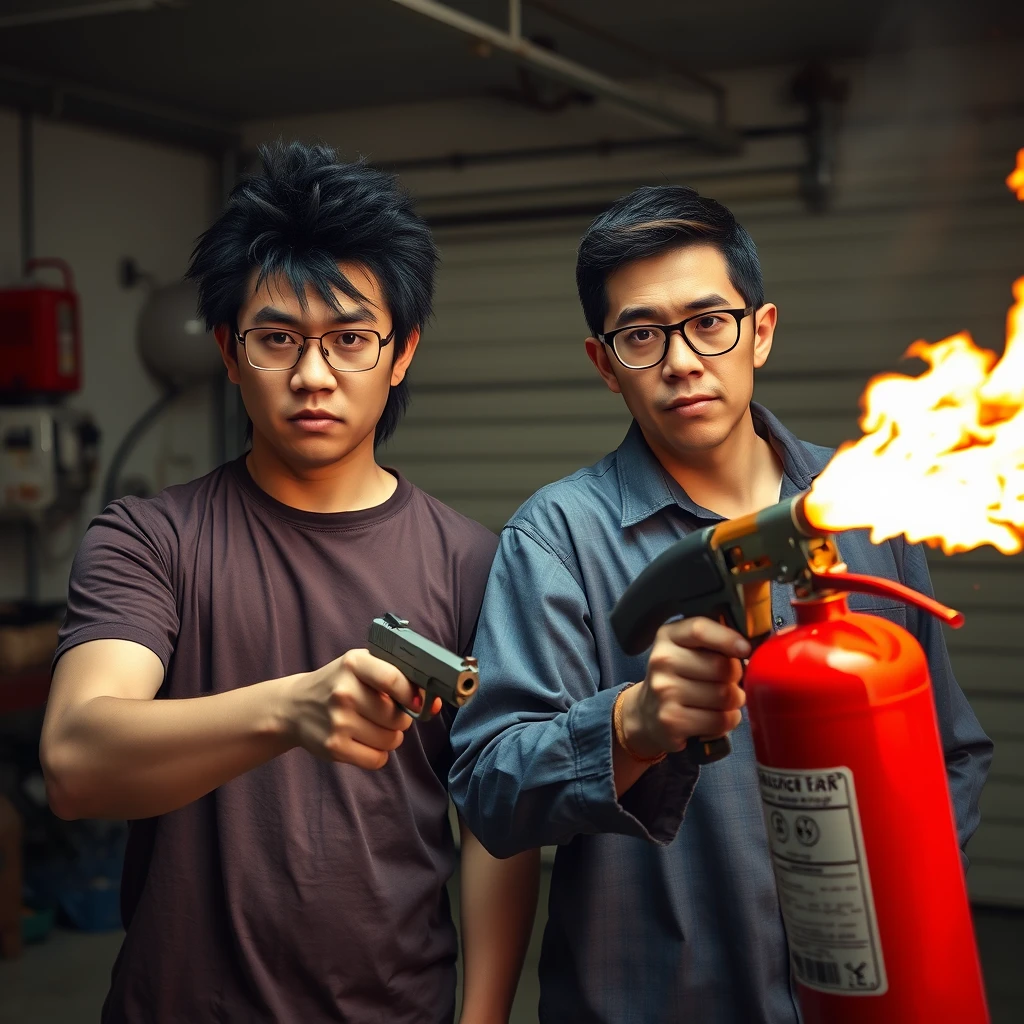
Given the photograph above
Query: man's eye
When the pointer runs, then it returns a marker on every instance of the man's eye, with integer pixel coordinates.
(641, 336)
(352, 338)
(278, 338)
(709, 322)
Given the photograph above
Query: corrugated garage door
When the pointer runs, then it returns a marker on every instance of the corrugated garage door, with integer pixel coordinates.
(505, 399)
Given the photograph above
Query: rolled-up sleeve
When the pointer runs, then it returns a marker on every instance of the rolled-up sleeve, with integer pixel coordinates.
(533, 749)
(967, 750)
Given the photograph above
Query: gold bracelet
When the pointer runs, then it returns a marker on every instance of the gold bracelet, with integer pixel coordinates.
(620, 735)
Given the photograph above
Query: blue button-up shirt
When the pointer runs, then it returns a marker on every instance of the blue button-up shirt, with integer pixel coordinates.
(663, 905)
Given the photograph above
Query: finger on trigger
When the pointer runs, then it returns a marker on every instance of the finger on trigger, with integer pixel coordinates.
(698, 663)
(700, 632)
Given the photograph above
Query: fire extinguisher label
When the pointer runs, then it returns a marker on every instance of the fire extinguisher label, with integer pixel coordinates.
(817, 849)
(65, 340)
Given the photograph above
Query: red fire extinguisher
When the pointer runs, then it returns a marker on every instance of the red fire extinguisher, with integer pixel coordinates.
(40, 346)
(859, 820)
(852, 776)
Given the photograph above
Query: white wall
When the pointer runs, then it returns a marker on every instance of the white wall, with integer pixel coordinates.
(100, 197)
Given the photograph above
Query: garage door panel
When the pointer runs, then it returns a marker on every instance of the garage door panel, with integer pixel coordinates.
(513, 478)
(996, 884)
(489, 441)
(980, 588)
(590, 400)
(489, 360)
(1001, 800)
(998, 842)
(985, 672)
(994, 630)
(1008, 762)
(1001, 717)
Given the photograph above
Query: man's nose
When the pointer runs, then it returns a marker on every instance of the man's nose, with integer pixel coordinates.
(313, 372)
(680, 359)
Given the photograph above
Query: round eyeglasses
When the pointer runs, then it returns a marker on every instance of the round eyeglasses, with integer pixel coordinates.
(642, 346)
(348, 351)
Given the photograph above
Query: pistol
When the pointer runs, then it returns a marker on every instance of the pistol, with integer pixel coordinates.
(436, 671)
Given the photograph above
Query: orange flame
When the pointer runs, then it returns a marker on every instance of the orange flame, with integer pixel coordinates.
(942, 456)
(1016, 179)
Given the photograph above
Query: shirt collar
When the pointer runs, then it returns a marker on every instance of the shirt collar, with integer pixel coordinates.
(646, 488)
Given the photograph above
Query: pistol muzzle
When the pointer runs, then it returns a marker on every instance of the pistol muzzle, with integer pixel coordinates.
(432, 668)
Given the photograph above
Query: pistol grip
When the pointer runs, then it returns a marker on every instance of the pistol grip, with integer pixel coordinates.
(423, 715)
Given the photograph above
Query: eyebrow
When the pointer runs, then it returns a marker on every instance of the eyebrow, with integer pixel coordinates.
(631, 314)
(272, 315)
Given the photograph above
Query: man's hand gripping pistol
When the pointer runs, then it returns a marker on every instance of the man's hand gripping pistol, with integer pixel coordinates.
(436, 671)
(725, 572)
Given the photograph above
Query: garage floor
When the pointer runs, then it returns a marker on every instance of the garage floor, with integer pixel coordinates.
(64, 980)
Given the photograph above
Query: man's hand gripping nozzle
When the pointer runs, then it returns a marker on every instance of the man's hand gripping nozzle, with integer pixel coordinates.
(725, 572)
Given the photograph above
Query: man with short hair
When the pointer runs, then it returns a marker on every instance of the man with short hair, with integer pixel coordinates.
(663, 905)
(290, 842)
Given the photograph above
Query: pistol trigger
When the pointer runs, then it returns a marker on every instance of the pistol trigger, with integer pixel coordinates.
(426, 707)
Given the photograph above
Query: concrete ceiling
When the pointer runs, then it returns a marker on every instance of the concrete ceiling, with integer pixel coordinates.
(240, 59)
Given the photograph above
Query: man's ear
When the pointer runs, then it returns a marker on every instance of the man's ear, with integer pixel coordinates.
(228, 351)
(765, 320)
(597, 353)
(400, 367)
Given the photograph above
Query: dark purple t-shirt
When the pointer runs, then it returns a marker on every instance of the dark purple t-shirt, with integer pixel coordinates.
(302, 890)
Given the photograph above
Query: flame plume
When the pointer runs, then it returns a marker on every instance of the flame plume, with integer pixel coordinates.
(1015, 181)
(942, 456)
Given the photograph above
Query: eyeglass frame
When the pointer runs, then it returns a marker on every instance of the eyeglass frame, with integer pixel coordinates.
(737, 314)
(381, 343)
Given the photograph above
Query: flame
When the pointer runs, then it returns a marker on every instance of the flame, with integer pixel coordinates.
(1015, 181)
(942, 456)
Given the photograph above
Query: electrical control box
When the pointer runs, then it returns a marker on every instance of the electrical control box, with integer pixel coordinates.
(48, 458)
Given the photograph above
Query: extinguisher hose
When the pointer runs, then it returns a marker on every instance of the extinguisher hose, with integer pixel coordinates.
(129, 441)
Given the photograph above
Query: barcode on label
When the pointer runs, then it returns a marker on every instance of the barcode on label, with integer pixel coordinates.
(821, 971)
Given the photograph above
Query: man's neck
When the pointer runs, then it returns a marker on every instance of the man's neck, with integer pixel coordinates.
(741, 475)
(352, 483)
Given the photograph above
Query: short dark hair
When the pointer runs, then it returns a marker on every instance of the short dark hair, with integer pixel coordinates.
(652, 220)
(301, 214)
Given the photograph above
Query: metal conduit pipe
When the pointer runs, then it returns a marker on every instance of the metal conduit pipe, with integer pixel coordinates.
(458, 160)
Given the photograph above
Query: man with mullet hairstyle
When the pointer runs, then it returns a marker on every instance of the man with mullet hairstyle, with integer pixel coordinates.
(663, 905)
(290, 843)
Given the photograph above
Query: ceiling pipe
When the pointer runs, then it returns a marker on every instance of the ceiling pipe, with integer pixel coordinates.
(80, 11)
(715, 136)
(459, 160)
(111, 111)
(716, 90)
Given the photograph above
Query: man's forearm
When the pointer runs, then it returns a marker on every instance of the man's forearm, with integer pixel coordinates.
(498, 903)
(541, 783)
(113, 757)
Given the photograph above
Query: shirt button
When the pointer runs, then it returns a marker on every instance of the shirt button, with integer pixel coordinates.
(779, 622)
